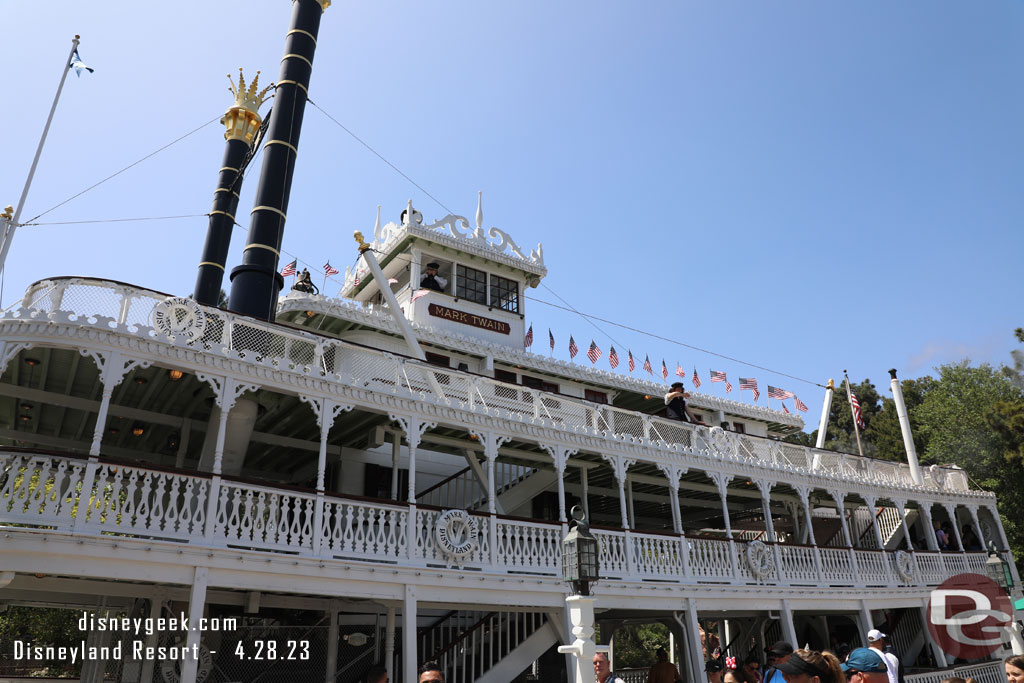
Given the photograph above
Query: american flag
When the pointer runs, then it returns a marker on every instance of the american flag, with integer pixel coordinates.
(573, 349)
(528, 339)
(800, 405)
(330, 270)
(664, 369)
(290, 268)
(717, 376)
(856, 410)
(781, 394)
(632, 363)
(680, 371)
(751, 384)
(593, 353)
(418, 294)
(728, 386)
(647, 365)
(551, 339)
(696, 379)
(613, 358)
(785, 408)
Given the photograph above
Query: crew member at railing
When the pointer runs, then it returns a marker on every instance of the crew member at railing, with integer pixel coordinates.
(675, 401)
(432, 280)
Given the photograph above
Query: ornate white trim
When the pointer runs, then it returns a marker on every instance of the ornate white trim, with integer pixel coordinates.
(456, 534)
(904, 563)
(760, 560)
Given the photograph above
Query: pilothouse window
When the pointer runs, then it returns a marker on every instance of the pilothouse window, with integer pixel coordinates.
(471, 284)
(504, 294)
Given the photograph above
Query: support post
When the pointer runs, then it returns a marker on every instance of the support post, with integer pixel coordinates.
(937, 653)
(866, 623)
(581, 616)
(908, 438)
(788, 627)
(951, 511)
(396, 452)
(409, 652)
(929, 532)
(560, 456)
(389, 644)
(693, 632)
(155, 610)
(826, 408)
(586, 494)
(196, 601)
(332, 643)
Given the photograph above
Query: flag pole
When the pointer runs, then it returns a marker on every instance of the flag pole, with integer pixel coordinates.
(11, 222)
(856, 429)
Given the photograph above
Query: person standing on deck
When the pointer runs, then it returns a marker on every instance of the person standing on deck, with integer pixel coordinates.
(432, 280)
(675, 401)
(876, 641)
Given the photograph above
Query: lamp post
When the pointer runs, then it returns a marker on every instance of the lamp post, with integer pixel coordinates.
(579, 570)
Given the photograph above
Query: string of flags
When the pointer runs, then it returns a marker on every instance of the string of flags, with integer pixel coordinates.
(594, 353)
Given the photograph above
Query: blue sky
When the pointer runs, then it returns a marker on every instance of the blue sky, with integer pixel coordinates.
(805, 186)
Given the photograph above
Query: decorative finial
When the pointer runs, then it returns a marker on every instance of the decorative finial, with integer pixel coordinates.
(480, 210)
(8, 212)
(376, 226)
(324, 4)
(363, 246)
(831, 384)
(248, 99)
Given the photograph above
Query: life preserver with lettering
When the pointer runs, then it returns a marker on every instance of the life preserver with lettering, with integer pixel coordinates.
(170, 669)
(178, 316)
(759, 559)
(904, 565)
(456, 533)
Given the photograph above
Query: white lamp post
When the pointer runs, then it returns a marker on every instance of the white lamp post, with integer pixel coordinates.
(580, 569)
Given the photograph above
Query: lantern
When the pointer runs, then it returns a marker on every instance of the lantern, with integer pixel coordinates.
(579, 554)
(998, 569)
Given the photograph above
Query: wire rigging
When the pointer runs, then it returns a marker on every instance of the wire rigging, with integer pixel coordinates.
(114, 175)
(118, 220)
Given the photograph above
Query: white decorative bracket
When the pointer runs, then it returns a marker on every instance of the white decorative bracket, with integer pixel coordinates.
(113, 367)
(226, 390)
(491, 442)
(325, 407)
(8, 350)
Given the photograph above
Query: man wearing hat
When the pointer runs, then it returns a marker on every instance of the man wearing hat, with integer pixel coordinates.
(865, 665)
(776, 656)
(432, 280)
(675, 402)
(876, 641)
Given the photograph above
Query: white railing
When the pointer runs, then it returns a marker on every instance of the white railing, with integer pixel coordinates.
(987, 672)
(76, 496)
(468, 644)
(109, 304)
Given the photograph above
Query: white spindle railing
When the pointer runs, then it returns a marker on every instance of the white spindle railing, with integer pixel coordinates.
(986, 672)
(46, 491)
(468, 644)
(101, 302)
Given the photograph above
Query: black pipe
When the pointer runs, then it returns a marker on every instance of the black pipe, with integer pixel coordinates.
(255, 284)
(222, 220)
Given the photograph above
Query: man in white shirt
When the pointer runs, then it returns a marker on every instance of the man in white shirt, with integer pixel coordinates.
(876, 641)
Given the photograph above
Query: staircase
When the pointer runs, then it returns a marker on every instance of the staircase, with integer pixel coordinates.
(906, 631)
(487, 647)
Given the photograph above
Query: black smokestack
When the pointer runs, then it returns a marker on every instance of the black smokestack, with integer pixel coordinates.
(242, 123)
(255, 284)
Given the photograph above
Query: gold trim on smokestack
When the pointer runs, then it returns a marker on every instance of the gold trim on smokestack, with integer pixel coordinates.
(243, 120)
(324, 4)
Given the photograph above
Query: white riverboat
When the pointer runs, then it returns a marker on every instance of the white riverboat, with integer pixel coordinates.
(341, 482)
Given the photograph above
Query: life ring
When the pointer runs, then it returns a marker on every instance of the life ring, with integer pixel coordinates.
(178, 316)
(456, 533)
(170, 669)
(904, 565)
(759, 559)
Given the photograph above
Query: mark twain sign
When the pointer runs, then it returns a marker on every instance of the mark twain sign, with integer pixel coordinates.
(469, 319)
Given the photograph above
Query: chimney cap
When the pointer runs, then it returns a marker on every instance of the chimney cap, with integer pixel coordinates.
(892, 373)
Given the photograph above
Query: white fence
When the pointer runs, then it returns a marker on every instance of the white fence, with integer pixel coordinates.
(116, 305)
(987, 672)
(71, 495)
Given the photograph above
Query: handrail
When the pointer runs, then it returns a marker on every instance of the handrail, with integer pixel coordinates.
(462, 636)
(444, 481)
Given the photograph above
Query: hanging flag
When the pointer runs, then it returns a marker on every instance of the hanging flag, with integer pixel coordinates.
(800, 405)
(528, 339)
(290, 268)
(728, 386)
(856, 410)
(664, 369)
(551, 339)
(593, 353)
(751, 384)
(330, 270)
(78, 65)
(680, 371)
(613, 358)
(647, 365)
(696, 378)
(717, 376)
(780, 394)
(573, 349)
(391, 280)
(632, 363)
(785, 408)
(418, 294)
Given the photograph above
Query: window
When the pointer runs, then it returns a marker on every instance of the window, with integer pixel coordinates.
(537, 383)
(738, 428)
(438, 359)
(471, 284)
(508, 377)
(504, 294)
(595, 396)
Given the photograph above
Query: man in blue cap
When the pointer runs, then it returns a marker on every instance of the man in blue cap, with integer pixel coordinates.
(865, 665)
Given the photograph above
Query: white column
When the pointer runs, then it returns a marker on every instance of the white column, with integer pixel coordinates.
(765, 487)
(629, 498)
(620, 466)
(973, 510)
(838, 497)
(409, 652)
(826, 407)
(805, 501)
(872, 504)
(155, 610)
(332, 643)
(580, 611)
(937, 653)
(901, 505)
(866, 623)
(586, 489)
(196, 601)
(389, 644)
(560, 456)
(722, 482)
(693, 633)
(101, 418)
(908, 439)
(788, 627)
(396, 452)
(951, 511)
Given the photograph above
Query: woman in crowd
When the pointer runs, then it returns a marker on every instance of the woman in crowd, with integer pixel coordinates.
(1015, 669)
(809, 666)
